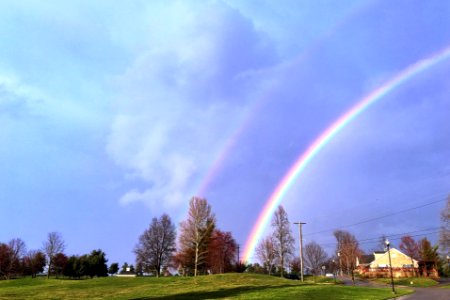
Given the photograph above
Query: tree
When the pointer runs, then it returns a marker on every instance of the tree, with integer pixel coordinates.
(382, 243)
(282, 236)
(315, 257)
(444, 234)
(156, 245)
(295, 265)
(59, 263)
(427, 251)
(409, 246)
(5, 260)
(267, 253)
(113, 268)
(97, 264)
(54, 244)
(196, 231)
(221, 252)
(125, 268)
(255, 268)
(348, 249)
(34, 263)
(184, 261)
(92, 265)
(17, 251)
(77, 266)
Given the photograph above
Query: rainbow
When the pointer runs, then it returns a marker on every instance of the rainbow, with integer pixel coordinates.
(225, 152)
(323, 139)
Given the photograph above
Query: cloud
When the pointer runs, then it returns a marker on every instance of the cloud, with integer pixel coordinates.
(182, 97)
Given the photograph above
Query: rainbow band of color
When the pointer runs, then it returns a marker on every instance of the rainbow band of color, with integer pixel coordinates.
(306, 157)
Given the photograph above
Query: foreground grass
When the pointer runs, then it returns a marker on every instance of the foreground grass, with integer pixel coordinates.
(228, 286)
(322, 279)
(412, 282)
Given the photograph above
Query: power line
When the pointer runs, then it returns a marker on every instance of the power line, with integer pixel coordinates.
(402, 234)
(399, 238)
(378, 218)
(396, 236)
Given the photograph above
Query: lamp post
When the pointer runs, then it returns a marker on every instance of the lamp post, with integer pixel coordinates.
(448, 266)
(301, 247)
(334, 270)
(390, 264)
(340, 263)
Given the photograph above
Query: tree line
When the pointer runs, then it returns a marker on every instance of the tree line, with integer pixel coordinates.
(202, 248)
(16, 261)
(275, 253)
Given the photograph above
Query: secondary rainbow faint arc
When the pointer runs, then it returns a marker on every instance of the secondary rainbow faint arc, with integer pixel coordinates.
(305, 158)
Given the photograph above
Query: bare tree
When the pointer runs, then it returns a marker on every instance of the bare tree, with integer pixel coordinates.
(348, 248)
(409, 246)
(315, 257)
(382, 243)
(444, 235)
(53, 245)
(196, 230)
(34, 263)
(17, 251)
(156, 245)
(266, 253)
(282, 236)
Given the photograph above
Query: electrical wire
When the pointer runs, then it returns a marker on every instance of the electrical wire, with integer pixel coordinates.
(379, 217)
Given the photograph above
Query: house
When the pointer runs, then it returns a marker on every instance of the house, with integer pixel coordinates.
(377, 265)
(127, 273)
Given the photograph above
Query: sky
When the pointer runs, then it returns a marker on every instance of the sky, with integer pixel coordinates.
(114, 113)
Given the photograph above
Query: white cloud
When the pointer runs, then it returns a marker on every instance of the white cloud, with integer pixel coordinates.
(182, 97)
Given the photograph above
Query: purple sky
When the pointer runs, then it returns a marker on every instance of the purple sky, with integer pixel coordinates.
(113, 114)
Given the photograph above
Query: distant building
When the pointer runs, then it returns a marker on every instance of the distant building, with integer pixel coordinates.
(127, 273)
(377, 265)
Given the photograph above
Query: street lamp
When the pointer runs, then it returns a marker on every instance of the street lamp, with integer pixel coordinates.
(390, 264)
(334, 270)
(340, 262)
(448, 266)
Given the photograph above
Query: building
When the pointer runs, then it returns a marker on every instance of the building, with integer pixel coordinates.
(377, 265)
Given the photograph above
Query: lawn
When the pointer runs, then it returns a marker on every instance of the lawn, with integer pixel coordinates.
(227, 286)
(412, 282)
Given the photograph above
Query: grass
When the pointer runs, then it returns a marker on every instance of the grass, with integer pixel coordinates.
(412, 282)
(226, 286)
(321, 279)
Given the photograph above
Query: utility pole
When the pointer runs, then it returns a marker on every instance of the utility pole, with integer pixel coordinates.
(238, 260)
(390, 264)
(301, 247)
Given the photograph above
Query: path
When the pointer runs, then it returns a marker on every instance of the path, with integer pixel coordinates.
(434, 293)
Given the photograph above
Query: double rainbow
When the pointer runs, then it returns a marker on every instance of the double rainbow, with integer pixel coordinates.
(322, 140)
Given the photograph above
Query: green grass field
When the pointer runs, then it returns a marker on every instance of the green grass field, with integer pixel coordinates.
(227, 286)
(412, 282)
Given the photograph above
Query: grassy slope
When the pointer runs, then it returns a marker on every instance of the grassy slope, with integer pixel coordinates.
(416, 281)
(242, 286)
